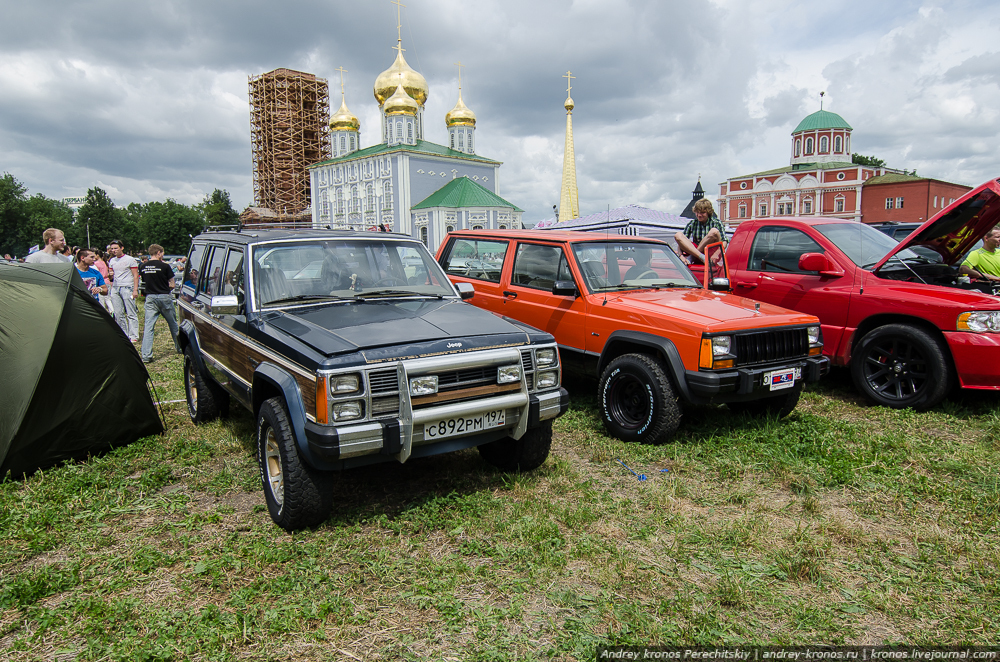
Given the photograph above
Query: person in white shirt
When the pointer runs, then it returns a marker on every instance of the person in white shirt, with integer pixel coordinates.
(55, 244)
(125, 290)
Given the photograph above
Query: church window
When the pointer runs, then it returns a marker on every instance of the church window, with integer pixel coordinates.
(423, 235)
(841, 176)
(470, 142)
(809, 145)
(399, 130)
(807, 206)
(449, 228)
(477, 227)
(798, 146)
(461, 141)
(343, 143)
(453, 140)
(743, 211)
(409, 131)
(935, 202)
(763, 209)
(340, 201)
(371, 198)
(890, 203)
(838, 204)
(848, 143)
(355, 201)
(352, 143)
(503, 226)
(838, 144)
(824, 144)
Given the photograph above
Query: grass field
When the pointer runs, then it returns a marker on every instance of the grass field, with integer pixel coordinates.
(841, 524)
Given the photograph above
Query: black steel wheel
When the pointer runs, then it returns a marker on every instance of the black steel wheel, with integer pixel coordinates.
(637, 400)
(524, 454)
(297, 495)
(901, 366)
(205, 401)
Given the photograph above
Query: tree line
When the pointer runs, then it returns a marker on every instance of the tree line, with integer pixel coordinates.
(169, 223)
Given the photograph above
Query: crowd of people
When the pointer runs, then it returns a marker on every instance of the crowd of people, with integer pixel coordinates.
(112, 277)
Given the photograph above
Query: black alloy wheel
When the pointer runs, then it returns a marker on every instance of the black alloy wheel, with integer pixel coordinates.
(901, 366)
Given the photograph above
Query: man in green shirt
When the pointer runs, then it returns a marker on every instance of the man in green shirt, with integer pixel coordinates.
(984, 262)
(705, 229)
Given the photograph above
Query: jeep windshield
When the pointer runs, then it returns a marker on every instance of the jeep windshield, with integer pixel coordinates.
(330, 270)
(863, 244)
(630, 265)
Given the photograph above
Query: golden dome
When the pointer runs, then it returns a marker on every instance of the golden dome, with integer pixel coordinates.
(413, 83)
(400, 103)
(569, 105)
(460, 115)
(344, 120)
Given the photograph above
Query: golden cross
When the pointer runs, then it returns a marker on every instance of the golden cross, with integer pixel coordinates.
(569, 81)
(399, 20)
(459, 65)
(342, 72)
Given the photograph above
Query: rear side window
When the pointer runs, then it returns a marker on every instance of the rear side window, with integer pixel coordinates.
(192, 271)
(540, 266)
(778, 249)
(213, 272)
(475, 258)
(232, 281)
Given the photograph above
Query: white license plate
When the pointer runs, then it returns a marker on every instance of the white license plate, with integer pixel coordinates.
(779, 379)
(461, 425)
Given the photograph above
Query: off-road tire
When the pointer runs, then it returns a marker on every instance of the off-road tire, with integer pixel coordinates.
(297, 495)
(901, 366)
(778, 406)
(524, 454)
(205, 400)
(637, 400)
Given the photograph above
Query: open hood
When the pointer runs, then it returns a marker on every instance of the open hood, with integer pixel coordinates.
(957, 228)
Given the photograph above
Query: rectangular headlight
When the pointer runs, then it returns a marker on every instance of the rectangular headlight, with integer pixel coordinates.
(979, 321)
(545, 357)
(546, 379)
(508, 374)
(345, 384)
(347, 411)
(425, 385)
(815, 337)
(721, 345)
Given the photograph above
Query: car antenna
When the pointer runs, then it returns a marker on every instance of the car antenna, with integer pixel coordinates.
(607, 239)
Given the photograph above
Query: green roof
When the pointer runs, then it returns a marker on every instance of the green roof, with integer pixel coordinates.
(822, 119)
(801, 166)
(893, 178)
(422, 147)
(461, 193)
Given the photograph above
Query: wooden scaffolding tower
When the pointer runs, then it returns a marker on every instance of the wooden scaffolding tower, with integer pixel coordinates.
(289, 131)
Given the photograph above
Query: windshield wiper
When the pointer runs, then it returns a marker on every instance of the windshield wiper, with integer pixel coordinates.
(307, 297)
(376, 294)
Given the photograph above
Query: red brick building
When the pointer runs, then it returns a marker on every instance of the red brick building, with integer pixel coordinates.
(906, 198)
(822, 180)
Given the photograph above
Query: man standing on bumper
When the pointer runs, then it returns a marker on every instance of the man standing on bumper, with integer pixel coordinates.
(124, 290)
(159, 280)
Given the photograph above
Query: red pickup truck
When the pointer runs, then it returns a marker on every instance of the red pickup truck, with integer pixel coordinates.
(898, 314)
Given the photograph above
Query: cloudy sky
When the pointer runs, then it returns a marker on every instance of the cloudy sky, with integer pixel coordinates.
(148, 100)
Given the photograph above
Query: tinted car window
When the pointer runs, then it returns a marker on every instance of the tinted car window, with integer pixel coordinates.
(865, 246)
(193, 269)
(540, 266)
(232, 281)
(778, 249)
(476, 258)
(213, 272)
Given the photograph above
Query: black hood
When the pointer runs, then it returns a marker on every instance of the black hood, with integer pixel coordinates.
(397, 325)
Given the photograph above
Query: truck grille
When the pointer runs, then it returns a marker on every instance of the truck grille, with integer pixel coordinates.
(770, 346)
(384, 386)
(528, 368)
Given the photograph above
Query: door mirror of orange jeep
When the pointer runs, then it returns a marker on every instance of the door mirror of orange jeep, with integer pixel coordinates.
(719, 285)
(564, 288)
(465, 290)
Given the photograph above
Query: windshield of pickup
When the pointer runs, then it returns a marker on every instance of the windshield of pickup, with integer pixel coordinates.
(864, 245)
(317, 270)
(625, 265)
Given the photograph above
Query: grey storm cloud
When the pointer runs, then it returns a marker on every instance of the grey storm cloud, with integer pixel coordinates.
(149, 99)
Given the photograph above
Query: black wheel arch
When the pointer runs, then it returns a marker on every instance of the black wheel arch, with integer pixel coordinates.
(271, 381)
(663, 349)
(187, 336)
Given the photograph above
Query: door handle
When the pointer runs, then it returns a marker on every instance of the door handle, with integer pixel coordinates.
(508, 293)
(749, 284)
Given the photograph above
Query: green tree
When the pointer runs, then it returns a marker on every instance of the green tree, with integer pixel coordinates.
(105, 221)
(169, 224)
(44, 213)
(217, 209)
(861, 159)
(13, 214)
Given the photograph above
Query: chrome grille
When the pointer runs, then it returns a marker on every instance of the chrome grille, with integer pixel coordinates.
(468, 377)
(770, 346)
(384, 387)
(528, 367)
(383, 381)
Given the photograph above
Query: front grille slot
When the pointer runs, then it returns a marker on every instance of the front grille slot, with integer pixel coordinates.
(383, 381)
(770, 346)
(384, 388)
(456, 379)
(528, 367)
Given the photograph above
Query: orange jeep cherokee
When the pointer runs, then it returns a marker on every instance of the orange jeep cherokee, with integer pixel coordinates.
(629, 311)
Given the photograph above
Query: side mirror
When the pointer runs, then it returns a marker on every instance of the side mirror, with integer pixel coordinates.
(564, 288)
(819, 262)
(225, 305)
(465, 290)
(719, 285)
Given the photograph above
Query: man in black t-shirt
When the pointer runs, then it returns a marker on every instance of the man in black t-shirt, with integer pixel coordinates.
(158, 278)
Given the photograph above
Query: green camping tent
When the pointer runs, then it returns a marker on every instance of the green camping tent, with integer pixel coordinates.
(71, 383)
